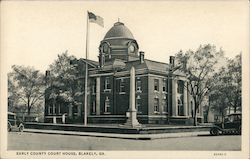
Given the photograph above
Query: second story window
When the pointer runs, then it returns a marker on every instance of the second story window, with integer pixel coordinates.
(138, 85)
(156, 85)
(180, 87)
(107, 83)
(122, 86)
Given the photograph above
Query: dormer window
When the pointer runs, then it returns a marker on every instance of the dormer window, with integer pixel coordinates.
(105, 48)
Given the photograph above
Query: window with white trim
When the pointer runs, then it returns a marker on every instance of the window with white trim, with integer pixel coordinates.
(138, 104)
(138, 85)
(122, 86)
(107, 105)
(156, 85)
(156, 105)
(107, 84)
(180, 88)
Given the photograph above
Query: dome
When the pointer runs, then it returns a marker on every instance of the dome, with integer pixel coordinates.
(119, 30)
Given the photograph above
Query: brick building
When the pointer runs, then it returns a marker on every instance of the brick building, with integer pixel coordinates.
(160, 93)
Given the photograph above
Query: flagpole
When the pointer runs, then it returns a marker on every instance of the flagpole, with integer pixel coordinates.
(86, 74)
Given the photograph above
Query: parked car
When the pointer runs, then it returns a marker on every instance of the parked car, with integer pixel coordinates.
(230, 125)
(13, 123)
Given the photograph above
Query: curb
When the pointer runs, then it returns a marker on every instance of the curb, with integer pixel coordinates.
(120, 136)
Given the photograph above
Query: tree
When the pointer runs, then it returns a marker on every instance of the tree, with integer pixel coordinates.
(218, 98)
(25, 87)
(227, 89)
(235, 82)
(199, 67)
(64, 84)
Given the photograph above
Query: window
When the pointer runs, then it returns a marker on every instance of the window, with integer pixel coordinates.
(93, 107)
(164, 85)
(107, 83)
(107, 106)
(156, 105)
(156, 85)
(50, 109)
(138, 104)
(122, 86)
(180, 108)
(138, 85)
(165, 104)
(180, 88)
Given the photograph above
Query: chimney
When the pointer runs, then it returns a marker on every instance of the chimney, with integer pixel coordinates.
(171, 61)
(141, 56)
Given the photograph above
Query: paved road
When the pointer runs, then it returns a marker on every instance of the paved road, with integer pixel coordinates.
(35, 141)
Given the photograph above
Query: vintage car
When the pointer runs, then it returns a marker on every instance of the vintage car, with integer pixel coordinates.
(13, 123)
(230, 125)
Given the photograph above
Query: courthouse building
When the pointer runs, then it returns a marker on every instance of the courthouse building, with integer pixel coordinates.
(160, 91)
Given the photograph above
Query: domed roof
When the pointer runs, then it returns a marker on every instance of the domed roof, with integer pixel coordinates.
(119, 30)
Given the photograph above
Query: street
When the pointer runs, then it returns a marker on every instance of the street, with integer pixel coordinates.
(36, 141)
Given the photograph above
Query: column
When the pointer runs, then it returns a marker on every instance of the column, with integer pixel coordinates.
(185, 99)
(132, 112)
(174, 97)
(98, 87)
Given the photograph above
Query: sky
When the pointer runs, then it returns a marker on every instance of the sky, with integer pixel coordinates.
(33, 33)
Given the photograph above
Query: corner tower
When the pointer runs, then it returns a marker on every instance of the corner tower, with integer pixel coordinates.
(118, 43)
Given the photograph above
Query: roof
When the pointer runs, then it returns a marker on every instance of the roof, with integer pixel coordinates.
(90, 62)
(150, 65)
(119, 30)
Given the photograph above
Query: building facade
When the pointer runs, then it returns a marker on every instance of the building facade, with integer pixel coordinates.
(161, 94)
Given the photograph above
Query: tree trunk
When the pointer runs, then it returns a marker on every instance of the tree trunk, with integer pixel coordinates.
(195, 112)
(195, 118)
(29, 106)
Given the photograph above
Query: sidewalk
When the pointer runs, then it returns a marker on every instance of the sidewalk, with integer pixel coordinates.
(121, 136)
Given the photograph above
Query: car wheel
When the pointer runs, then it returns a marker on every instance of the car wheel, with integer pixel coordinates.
(21, 127)
(214, 131)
